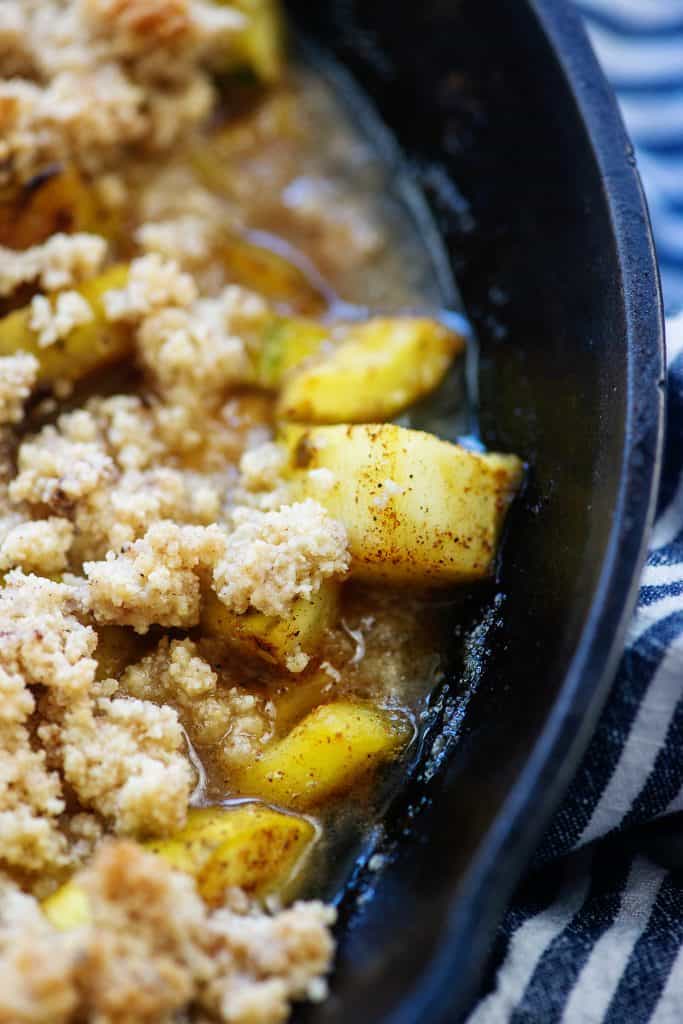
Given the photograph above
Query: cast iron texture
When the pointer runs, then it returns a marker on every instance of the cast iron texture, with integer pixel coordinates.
(514, 135)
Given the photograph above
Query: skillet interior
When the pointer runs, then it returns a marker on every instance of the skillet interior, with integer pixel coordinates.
(513, 136)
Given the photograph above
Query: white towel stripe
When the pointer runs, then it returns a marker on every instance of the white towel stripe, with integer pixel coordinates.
(637, 60)
(644, 741)
(648, 13)
(648, 614)
(661, 575)
(600, 975)
(525, 950)
(669, 1009)
(654, 118)
(674, 337)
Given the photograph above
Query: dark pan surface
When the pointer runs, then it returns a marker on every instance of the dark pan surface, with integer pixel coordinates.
(514, 137)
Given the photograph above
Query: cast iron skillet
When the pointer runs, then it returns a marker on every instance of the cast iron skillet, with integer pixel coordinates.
(513, 134)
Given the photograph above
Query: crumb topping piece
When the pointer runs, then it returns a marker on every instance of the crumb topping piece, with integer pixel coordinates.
(271, 558)
(44, 641)
(40, 546)
(154, 580)
(105, 74)
(125, 759)
(200, 351)
(153, 283)
(231, 722)
(151, 949)
(18, 375)
(53, 324)
(122, 510)
(60, 262)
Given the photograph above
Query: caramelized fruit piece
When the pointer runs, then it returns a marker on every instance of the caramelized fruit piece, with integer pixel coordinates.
(324, 755)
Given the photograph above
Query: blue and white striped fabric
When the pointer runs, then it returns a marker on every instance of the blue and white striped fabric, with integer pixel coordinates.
(595, 933)
(640, 45)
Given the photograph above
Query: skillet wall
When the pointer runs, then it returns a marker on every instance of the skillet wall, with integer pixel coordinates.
(481, 108)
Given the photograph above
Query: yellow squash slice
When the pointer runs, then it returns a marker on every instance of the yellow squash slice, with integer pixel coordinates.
(247, 846)
(379, 369)
(300, 695)
(417, 510)
(276, 639)
(117, 648)
(286, 343)
(324, 755)
(259, 46)
(270, 274)
(88, 347)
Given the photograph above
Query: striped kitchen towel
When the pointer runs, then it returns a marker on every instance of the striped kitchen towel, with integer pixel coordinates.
(594, 934)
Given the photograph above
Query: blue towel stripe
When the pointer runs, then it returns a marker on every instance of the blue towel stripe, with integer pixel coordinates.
(568, 952)
(637, 668)
(648, 968)
(666, 778)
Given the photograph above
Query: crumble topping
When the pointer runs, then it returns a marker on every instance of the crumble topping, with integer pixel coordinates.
(154, 580)
(44, 641)
(261, 468)
(151, 950)
(60, 262)
(124, 759)
(53, 324)
(138, 500)
(40, 546)
(112, 468)
(271, 558)
(187, 239)
(60, 467)
(266, 562)
(261, 483)
(152, 284)
(227, 715)
(191, 353)
(106, 74)
(18, 375)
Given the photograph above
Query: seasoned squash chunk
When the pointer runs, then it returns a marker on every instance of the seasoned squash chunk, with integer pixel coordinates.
(298, 696)
(259, 45)
(417, 510)
(88, 347)
(270, 274)
(56, 199)
(67, 907)
(248, 846)
(261, 856)
(379, 369)
(286, 343)
(324, 755)
(278, 640)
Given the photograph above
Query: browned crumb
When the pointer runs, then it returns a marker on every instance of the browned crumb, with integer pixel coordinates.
(41, 546)
(105, 74)
(61, 261)
(18, 374)
(226, 719)
(151, 949)
(272, 558)
(154, 580)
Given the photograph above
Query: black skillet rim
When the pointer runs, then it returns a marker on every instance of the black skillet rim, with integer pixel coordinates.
(501, 858)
